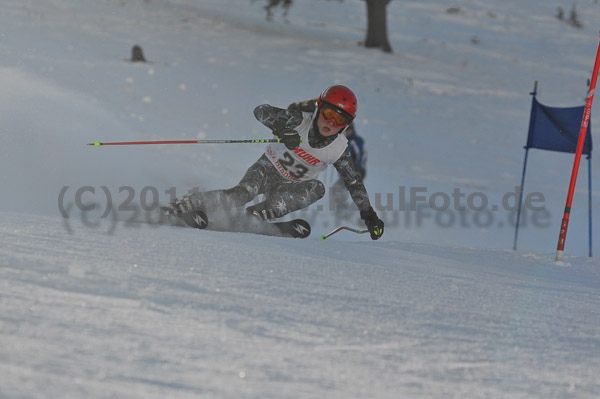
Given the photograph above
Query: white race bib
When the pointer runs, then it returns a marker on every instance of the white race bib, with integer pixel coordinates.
(305, 162)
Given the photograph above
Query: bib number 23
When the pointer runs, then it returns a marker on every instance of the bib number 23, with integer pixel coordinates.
(295, 169)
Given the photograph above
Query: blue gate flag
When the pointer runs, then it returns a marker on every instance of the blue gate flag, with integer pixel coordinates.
(557, 129)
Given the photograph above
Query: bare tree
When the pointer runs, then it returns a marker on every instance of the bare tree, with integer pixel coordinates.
(286, 4)
(377, 32)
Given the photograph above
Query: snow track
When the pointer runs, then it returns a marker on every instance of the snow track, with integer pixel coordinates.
(171, 312)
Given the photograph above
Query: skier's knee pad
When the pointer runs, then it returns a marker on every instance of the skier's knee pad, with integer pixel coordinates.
(251, 189)
(318, 188)
(242, 194)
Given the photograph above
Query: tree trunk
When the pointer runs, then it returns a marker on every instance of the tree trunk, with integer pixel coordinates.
(377, 35)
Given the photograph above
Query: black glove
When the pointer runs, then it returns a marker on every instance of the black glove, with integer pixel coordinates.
(374, 224)
(290, 138)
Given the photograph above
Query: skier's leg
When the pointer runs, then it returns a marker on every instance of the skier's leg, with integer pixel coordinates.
(252, 184)
(288, 197)
(209, 201)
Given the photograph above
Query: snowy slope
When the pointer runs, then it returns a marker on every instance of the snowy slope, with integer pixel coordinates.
(439, 307)
(172, 312)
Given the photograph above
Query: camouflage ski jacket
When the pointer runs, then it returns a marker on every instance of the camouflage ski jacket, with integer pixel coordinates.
(278, 119)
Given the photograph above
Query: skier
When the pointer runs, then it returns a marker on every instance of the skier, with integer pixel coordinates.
(356, 144)
(287, 172)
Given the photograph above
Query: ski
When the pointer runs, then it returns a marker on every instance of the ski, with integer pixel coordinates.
(297, 228)
(195, 219)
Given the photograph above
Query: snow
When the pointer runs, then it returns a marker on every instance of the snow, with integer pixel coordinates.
(94, 307)
(161, 314)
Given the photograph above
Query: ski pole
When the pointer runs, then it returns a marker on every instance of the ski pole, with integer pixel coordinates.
(98, 144)
(325, 236)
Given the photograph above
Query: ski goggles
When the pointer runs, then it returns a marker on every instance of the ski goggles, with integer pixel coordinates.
(339, 117)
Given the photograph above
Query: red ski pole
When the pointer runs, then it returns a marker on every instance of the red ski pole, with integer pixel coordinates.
(580, 142)
(98, 144)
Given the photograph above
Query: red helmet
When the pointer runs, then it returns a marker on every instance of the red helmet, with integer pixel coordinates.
(341, 97)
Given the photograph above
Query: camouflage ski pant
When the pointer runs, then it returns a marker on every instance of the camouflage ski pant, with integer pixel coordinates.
(282, 196)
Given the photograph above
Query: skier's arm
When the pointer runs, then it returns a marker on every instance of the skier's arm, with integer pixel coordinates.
(358, 192)
(352, 181)
(304, 106)
(277, 119)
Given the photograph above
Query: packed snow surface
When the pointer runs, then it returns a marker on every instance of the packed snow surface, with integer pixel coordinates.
(97, 300)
